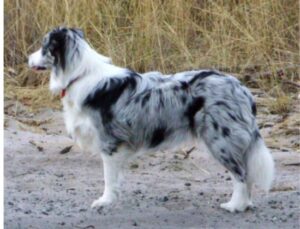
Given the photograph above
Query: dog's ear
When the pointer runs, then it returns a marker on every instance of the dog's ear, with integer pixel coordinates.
(79, 32)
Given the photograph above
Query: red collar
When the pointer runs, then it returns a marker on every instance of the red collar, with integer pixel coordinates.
(63, 91)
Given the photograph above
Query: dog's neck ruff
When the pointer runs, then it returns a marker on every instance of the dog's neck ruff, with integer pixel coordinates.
(63, 91)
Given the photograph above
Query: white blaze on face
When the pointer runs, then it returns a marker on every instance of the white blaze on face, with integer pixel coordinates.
(37, 61)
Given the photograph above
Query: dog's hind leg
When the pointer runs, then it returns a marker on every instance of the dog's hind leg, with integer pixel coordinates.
(112, 165)
(260, 171)
(241, 197)
(228, 144)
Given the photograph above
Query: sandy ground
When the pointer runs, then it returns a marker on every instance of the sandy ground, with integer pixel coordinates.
(45, 188)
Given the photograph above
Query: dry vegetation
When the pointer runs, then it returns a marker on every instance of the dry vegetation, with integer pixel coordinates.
(254, 39)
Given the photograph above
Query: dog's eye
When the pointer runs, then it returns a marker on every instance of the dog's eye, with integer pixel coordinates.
(44, 50)
(50, 48)
(47, 47)
(45, 40)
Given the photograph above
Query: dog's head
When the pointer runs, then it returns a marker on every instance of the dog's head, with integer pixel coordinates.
(58, 47)
(63, 51)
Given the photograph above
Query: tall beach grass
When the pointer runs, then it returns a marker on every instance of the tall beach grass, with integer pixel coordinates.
(239, 36)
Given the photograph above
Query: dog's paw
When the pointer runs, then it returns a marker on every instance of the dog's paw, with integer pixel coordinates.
(234, 207)
(102, 201)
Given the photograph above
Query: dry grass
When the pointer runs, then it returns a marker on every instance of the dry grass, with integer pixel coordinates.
(280, 105)
(279, 101)
(240, 36)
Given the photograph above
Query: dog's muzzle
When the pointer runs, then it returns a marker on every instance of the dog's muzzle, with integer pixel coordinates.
(36, 61)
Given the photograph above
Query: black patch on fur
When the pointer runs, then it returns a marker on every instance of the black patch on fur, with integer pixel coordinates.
(225, 159)
(161, 98)
(201, 85)
(137, 99)
(184, 85)
(222, 103)
(111, 150)
(183, 99)
(215, 125)
(232, 117)
(146, 98)
(237, 170)
(106, 96)
(133, 74)
(193, 108)
(203, 75)
(253, 107)
(112, 147)
(256, 135)
(57, 46)
(223, 151)
(161, 101)
(128, 122)
(158, 136)
(225, 131)
(176, 88)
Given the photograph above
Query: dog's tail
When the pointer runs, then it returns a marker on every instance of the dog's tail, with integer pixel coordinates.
(260, 164)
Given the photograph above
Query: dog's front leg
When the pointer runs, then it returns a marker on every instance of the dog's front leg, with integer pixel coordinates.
(112, 165)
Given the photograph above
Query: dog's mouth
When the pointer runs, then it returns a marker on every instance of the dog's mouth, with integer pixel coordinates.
(39, 68)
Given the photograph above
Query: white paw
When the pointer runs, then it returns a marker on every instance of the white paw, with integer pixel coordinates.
(234, 207)
(102, 201)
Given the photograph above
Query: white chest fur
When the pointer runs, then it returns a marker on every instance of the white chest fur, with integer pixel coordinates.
(80, 127)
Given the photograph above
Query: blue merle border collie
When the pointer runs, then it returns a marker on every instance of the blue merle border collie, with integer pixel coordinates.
(121, 113)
